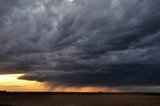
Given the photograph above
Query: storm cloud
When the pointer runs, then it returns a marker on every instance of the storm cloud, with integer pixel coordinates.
(82, 42)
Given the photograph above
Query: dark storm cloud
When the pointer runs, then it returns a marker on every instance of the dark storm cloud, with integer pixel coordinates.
(118, 75)
(6, 6)
(83, 42)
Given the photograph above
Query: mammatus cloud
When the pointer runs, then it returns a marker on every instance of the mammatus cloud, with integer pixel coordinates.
(82, 42)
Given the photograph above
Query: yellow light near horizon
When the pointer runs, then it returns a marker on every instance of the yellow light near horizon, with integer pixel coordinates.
(10, 82)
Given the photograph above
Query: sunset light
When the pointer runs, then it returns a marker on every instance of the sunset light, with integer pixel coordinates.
(12, 80)
(9, 81)
(79, 52)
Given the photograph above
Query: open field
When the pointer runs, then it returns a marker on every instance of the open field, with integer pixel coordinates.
(79, 99)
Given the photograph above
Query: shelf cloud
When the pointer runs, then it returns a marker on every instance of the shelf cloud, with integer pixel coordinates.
(82, 42)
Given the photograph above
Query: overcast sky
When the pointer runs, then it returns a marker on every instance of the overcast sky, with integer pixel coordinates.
(106, 43)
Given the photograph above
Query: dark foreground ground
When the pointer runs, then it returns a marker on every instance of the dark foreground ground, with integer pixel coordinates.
(79, 99)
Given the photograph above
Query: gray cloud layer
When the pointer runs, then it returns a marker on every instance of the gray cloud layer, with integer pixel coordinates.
(83, 42)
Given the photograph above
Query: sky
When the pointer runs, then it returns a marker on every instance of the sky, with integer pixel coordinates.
(80, 45)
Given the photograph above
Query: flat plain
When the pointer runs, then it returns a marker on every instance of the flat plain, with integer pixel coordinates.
(78, 99)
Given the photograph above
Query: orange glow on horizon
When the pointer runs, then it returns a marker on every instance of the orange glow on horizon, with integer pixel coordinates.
(10, 82)
(85, 89)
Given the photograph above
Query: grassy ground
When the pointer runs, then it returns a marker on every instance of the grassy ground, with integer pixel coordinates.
(79, 99)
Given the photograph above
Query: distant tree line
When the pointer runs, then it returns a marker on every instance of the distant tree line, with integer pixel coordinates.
(3, 91)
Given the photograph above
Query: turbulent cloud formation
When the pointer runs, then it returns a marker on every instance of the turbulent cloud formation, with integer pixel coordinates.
(82, 42)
